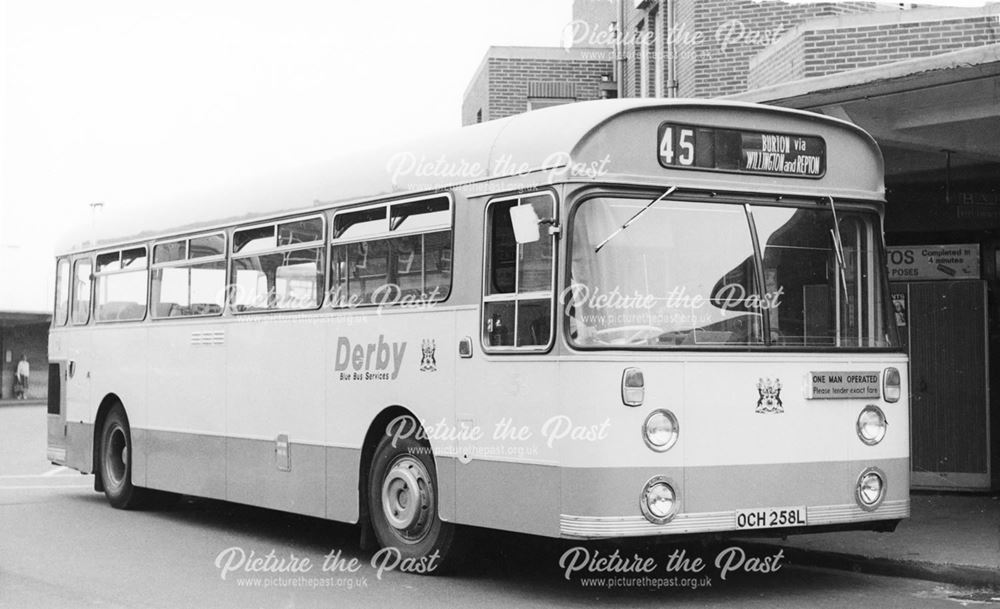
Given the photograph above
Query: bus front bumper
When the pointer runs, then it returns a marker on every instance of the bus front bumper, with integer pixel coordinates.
(603, 503)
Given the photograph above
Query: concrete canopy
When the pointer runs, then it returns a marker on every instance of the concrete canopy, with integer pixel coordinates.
(10, 319)
(918, 110)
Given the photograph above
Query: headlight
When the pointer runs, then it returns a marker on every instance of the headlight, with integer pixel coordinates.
(871, 489)
(660, 430)
(871, 425)
(658, 501)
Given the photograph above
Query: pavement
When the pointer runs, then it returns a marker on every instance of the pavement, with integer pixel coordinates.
(951, 538)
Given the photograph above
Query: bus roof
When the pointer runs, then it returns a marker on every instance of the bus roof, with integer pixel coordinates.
(521, 144)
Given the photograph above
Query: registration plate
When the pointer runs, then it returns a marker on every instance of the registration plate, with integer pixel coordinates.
(771, 518)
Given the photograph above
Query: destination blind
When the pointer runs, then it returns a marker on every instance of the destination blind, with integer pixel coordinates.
(731, 150)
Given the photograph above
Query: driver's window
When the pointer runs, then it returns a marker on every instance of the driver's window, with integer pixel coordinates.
(517, 299)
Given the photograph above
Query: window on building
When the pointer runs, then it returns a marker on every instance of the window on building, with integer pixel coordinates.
(479, 115)
(548, 93)
(517, 307)
(643, 60)
(120, 285)
(61, 311)
(658, 54)
(278, 267)
(392, 254)
(188, 277)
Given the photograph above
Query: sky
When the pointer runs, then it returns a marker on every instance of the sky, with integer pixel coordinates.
(110, 101)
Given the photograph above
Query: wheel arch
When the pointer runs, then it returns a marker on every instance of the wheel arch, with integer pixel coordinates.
(110, 401)
(445, 476)
(378, 425)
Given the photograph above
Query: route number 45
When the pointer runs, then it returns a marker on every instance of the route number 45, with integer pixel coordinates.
(684, 147)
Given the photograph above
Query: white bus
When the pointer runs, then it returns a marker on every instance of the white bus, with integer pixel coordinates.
(607, 319)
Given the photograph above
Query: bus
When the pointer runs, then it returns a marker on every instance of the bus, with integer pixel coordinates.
(609, 319)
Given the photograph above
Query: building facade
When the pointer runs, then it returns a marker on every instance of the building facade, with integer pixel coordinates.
(512, 80)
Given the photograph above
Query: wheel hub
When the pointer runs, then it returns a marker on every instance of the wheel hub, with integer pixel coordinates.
(116, 457)
(406, 498)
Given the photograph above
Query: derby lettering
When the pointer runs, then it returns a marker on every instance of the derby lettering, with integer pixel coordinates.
(373, 361)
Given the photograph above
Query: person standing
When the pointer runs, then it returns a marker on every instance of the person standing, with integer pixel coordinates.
(23, 372)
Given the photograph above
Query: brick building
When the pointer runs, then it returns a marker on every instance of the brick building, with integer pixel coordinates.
(827, 46)
(703, 48)
(712, 48)
(511, 80)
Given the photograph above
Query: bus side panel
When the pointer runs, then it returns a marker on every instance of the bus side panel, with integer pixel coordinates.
(101, 363)
(118, 355)
(184, 436)
(75, 345)
(343, 468)
(276, 412)
(502, 481)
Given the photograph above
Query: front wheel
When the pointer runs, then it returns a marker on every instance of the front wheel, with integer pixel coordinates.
(403, 504)
(116, 462)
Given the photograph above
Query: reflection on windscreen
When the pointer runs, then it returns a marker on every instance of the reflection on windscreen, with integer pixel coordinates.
(822, 305)
(686, 274)
(681, 275)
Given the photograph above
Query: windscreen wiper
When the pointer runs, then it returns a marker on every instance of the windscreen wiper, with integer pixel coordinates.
(838, 248)
(635, 216)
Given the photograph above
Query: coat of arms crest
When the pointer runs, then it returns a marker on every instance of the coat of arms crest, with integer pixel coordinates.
(428, 363)
(770, 396)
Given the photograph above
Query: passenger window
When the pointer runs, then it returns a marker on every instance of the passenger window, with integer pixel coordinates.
(517, 307)
(109, 262)
(189, 277)
(421, 215)
(210, 245)
(290, 278)
(361, 223)
(134, 259)
(375, 268)
(81, 292)
(121, 285)
(299, 232)
(62, 294)
(254, 240)
(169, 252)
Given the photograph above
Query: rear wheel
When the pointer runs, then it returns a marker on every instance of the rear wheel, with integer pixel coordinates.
(403, 505)
(116, 462)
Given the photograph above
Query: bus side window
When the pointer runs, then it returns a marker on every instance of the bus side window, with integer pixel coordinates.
(278, 267)
(81, 292)
(399, 257)
(517, 308)
(62, 294)
(503, 250)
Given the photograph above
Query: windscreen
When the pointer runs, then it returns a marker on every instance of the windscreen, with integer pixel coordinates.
(719, 274)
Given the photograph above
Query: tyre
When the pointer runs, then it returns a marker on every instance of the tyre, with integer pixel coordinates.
(116, 462)
(403, 504)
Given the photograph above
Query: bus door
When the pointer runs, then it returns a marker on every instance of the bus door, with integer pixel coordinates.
(507, 387)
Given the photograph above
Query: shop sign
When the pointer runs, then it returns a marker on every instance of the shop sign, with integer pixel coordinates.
(934, 262)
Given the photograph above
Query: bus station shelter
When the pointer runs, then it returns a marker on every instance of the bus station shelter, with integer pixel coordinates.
(24, 333)
(937, 120)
